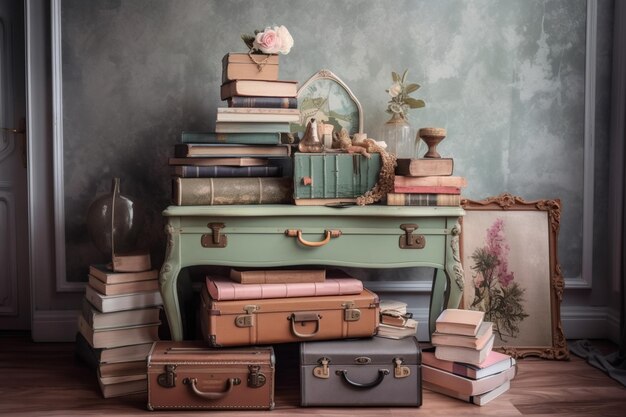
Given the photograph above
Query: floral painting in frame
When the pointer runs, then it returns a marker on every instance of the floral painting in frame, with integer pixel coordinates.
(511, 272)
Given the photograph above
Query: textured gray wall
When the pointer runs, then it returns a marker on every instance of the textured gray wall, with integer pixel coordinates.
(506, 78)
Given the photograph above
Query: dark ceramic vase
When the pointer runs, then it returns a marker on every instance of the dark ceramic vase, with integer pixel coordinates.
(114, 221)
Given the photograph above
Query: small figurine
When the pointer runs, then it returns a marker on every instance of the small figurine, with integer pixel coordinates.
(310, 141)
(343, 141)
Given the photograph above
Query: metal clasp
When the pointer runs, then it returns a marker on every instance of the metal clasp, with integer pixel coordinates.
(351, 313)
(409, 240)
(400, 371)
(245, 320)
(322, 370)
(168, 378)
(256, 379)
(214, 239)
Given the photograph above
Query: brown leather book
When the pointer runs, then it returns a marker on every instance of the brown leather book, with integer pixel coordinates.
(256, 88)
(277, 276)
(424, 167)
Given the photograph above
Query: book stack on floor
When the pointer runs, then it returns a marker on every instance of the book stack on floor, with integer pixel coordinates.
(463, 365)
(119, 321)
(395, 321)
(244, 161)
(426, 182)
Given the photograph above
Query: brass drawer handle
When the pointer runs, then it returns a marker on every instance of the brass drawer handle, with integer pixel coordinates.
(328, 234)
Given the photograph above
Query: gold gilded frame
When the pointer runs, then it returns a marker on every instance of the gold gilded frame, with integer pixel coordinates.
(507, 203)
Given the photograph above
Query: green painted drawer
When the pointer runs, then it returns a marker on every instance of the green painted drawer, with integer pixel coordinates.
(341, 175)
(367, 241)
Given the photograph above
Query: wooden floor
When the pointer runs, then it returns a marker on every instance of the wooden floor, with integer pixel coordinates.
(45, 379)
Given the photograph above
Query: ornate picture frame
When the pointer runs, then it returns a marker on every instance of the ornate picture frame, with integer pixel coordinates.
(511, 271)
(328, 99)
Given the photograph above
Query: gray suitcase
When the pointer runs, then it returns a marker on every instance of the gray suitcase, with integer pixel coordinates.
(361, 372)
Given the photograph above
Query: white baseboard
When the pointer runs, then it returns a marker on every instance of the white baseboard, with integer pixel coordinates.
(54, 325)
(583, 322)
(614, 332)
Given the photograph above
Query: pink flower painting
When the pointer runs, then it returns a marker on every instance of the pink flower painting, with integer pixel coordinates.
(495, 290)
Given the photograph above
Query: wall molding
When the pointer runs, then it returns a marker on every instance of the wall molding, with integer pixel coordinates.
(54, 325)
(8, 290)
(62, 285)
(584, 279)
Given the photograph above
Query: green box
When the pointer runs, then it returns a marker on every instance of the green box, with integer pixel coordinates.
(334, 175)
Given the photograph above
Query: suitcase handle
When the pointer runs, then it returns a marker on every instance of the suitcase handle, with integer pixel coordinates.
(297, 233)
(381, 375)
(303, 318)
(230, 383)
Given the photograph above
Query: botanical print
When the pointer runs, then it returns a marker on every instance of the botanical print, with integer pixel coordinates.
(495, 290)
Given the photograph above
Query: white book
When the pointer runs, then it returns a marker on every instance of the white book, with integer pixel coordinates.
(99, 320)
(257, 117)
(480, 399)
(463, 354)
(119, 302)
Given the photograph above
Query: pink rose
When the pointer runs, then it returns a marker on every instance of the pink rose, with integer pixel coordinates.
(267, 41)
(286, 41)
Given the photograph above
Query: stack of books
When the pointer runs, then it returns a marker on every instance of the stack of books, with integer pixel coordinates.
(245, 160)
(119, 320)
(463, 365)
(426, 182)
(395, 321)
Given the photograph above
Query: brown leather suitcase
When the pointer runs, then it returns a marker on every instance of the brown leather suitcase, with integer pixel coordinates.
(285, 320)
(193, 376)
(365, 372)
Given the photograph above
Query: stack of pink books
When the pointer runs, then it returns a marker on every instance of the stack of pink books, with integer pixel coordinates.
(244, 284)
(463, 365)
(221, 288)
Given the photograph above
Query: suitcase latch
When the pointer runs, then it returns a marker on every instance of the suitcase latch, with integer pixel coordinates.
(255, 379)
(168, 378)
(214, 239)
(350, 313)
(400, 371)
(245, 320)
(321, 371)
(410, 240)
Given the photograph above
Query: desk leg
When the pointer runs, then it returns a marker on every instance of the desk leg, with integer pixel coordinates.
(448, 283)
(167, 282)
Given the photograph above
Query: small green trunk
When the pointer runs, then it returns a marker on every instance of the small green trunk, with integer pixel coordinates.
(342, 175)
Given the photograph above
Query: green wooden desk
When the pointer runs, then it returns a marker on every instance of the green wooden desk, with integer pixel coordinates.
(261, 236)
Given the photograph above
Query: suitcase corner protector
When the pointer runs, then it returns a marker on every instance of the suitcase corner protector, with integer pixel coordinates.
(149, 407)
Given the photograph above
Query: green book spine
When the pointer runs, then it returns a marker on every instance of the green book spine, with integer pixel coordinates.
(256, 138)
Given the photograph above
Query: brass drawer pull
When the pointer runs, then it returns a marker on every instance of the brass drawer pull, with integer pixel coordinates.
(328, 234)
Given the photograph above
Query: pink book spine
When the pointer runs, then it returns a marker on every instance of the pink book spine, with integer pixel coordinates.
(427, 189)
(224, 289)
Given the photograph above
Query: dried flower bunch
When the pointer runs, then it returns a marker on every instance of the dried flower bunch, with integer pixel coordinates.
(400, 101)
(272, 40)
(495, 290)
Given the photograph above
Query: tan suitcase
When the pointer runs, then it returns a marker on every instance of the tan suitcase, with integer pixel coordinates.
(191, 376)
(285, 320)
